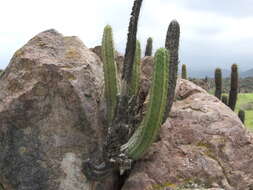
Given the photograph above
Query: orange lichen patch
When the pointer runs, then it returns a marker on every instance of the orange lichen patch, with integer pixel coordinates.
(14, 86)
(18, 53)
(41, 43)
(39, 90)
(70, 76)
(72, 53)
(22, 150)
(67, 67)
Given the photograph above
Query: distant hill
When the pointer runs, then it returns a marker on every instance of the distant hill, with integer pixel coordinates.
(225, 73)
(207, 73)
(245, 84)
(248, 73)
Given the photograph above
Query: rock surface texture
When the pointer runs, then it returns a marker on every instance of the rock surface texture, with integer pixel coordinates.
(202, 143)
(49, 114)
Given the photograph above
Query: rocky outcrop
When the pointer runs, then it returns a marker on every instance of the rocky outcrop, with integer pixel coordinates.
(202, 143)
(49, 115)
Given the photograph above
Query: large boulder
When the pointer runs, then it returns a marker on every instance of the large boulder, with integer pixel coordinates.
(50, 115)
(203, 144)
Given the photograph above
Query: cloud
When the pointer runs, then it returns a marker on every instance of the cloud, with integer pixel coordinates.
(212, 33)
(231, 8)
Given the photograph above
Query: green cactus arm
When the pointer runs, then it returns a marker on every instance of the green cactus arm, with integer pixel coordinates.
(110, 72)
(172, 45)
(149, 47)
(136, 70)
(147, 131)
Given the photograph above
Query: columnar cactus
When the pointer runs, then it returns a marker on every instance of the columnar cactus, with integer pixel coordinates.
(241, 115)
(184, 72)
(146, 132)
(149, 47)
(120, 148)
(110, 72)
(233, 87)
(224, 99)
(172, 45)
(136, 71)
(218, 83)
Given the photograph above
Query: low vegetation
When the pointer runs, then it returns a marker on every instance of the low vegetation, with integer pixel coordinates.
(245, 102)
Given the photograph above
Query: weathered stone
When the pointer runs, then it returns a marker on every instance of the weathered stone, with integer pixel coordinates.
(49, 119)
(203, 142)
(147, 65)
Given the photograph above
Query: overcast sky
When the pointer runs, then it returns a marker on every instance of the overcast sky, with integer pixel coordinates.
(213, 33)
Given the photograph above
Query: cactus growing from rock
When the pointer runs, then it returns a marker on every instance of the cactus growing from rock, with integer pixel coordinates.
(149, 47)
(110, 72)
(136, 70)
(233, 87)
(120, 148)
(218, 83)
(224, 99)
(241, 115)
(172, 45)
(146, 132)
(184, 72)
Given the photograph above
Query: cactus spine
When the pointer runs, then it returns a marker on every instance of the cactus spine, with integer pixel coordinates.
(110, 75)
(172, 45)
(136, 70)
(218, 83)
(241, 115)
(146, 132)
(184, 72)
(233, 87)
(149, 47)
(224, 99)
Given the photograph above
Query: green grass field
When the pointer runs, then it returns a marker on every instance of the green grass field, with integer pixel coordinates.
(245, 102)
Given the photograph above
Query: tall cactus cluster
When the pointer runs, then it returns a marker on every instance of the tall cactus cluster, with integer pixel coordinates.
(149, 47)
(121, 146)
(184, 72)
(218, 82)
(233, 87)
